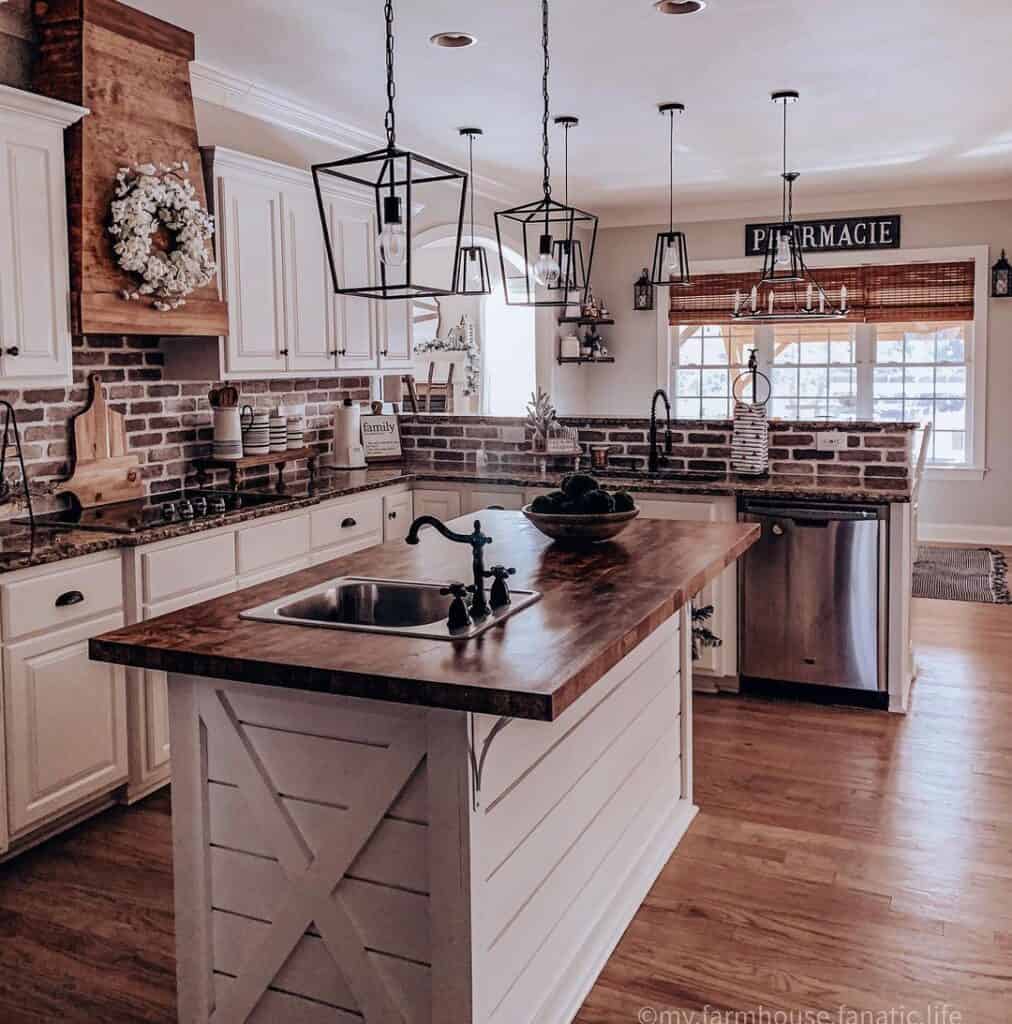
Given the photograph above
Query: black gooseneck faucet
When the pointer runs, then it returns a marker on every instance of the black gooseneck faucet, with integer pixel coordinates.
(654, 458)
(478, 541)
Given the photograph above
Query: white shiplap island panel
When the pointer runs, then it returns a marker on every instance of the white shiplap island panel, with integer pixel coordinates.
(336, 860)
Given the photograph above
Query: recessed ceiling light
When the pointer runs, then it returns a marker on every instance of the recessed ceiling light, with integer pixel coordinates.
(680, 6)
(453, 40)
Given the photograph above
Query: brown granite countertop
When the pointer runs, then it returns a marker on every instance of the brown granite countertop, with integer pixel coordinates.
(19, 550)
(596, 607)
(795, 488)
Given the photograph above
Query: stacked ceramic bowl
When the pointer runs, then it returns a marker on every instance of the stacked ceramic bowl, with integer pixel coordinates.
(278, 428)
(227, 442)
(256, 440)
(296, 432)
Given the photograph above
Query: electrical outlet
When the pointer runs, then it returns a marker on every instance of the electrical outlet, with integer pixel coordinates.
(513, 435)
(831, 440)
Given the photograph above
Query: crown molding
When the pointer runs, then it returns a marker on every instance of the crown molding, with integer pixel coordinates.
(42, 108)
(245, 96)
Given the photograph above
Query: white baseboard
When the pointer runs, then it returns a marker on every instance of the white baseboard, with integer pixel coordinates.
(968, 533)
(575, 985)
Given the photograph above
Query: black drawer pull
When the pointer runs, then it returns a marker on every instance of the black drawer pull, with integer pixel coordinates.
(391, 515)
(347, 524)
(69, 598)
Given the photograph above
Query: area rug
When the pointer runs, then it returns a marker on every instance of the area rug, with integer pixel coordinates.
(961, 574)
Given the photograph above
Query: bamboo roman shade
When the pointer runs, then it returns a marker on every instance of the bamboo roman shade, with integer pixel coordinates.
(899, 293)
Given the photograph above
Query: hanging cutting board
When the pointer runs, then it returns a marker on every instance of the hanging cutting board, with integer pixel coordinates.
(103, 471)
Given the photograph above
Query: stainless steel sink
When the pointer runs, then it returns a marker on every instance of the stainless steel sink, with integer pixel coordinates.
(365, 605)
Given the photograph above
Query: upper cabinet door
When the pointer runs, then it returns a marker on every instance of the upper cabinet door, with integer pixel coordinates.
(309, 292)
(396, 352)
(34, 265)
(250, 244)
(354, 238)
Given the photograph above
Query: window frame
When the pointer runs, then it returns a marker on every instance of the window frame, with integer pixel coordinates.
(977, 340)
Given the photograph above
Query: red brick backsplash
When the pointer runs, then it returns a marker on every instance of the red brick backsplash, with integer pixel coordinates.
(878, 455)
(168, 422)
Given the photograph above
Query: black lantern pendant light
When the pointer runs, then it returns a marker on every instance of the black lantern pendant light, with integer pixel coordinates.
(392, 180)
(542, 224)
(787, 289)
(569, 254)
(472, 265)
(671, 254)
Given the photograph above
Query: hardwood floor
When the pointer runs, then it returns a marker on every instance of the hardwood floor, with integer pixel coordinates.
(842, 859)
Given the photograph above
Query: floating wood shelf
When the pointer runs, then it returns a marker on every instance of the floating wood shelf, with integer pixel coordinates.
(587, 321)
(585, 359)
(236, 466)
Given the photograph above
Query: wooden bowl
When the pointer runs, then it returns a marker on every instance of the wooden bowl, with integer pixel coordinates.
(572, 529)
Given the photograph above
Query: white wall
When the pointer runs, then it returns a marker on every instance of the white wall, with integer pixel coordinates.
(625, 388)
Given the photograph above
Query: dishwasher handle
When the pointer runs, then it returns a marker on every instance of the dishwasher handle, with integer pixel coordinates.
(813, 516)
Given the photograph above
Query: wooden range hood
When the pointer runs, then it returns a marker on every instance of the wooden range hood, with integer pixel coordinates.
(132, 71)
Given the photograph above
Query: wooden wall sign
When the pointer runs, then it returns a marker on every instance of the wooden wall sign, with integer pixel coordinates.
(840, 234)
(133, 73)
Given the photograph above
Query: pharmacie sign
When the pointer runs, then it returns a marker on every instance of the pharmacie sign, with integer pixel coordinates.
(838, 235)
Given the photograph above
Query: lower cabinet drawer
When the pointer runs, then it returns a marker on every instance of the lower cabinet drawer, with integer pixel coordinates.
(52, 600)
(352, 524)
(66, 724)
(192, 564)
(273, 542)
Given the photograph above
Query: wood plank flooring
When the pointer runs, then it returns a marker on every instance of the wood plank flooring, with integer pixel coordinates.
(842, 859)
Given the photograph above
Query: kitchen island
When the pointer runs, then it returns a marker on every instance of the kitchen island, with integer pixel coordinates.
(397, 829)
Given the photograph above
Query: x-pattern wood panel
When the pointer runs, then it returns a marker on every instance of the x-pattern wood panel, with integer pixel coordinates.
(310, 897)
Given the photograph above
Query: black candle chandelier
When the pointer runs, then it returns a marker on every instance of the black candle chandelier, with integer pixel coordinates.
(671, 254)
(548, 229)
(800, 296)
(569, 254)
(393, 180)
(472, 265)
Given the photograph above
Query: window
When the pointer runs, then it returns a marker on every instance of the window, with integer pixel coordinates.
(709, 359)
(921, 372)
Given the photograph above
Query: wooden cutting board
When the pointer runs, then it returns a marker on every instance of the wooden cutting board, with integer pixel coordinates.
(103, 471)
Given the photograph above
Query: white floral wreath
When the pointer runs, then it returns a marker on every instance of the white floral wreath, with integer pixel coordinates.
(149, 198)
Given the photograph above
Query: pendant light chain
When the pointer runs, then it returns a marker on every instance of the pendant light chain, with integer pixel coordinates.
(389, 121)
(547, 183)
(671, 173)
(470, 168)
(785, 182)
(566, 160)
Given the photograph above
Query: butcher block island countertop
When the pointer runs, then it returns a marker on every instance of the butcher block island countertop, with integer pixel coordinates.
(391, 830)
(597, 605)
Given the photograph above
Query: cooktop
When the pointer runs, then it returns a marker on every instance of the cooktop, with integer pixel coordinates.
(157, 510)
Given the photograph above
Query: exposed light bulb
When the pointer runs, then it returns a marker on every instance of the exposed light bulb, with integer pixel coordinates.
(547, 271)
(393, 240)
(673, 257)
(473, 269)
(783, 250)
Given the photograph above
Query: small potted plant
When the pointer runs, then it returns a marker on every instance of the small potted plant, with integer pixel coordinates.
(540, 417)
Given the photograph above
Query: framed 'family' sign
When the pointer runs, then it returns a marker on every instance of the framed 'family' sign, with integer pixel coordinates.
(381, 438)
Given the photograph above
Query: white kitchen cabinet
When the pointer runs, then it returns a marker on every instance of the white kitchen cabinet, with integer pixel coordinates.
(272, 541)
(284, 317)
(441, 504)
(309, 308)
(35, 328)
(503, 497)
(248, 213)
(65, 724)
(398, 511)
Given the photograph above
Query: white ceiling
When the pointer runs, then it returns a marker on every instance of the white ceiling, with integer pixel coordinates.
(899, 98)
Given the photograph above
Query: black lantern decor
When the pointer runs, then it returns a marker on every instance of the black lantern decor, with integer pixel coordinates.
(787, 289)
(394, 180)
(543, 224)
(1001, 278)
(643, 291)
(472, 265)
(671, 254)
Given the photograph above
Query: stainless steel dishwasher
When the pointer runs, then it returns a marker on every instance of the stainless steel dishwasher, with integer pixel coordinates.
(813, 604)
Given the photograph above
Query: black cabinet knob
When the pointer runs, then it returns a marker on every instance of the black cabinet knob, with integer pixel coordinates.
(347, 524)
(12, 351)
(71, 597)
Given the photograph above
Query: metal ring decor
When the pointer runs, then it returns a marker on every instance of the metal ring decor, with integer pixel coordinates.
(148, 199)
(753, 376)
